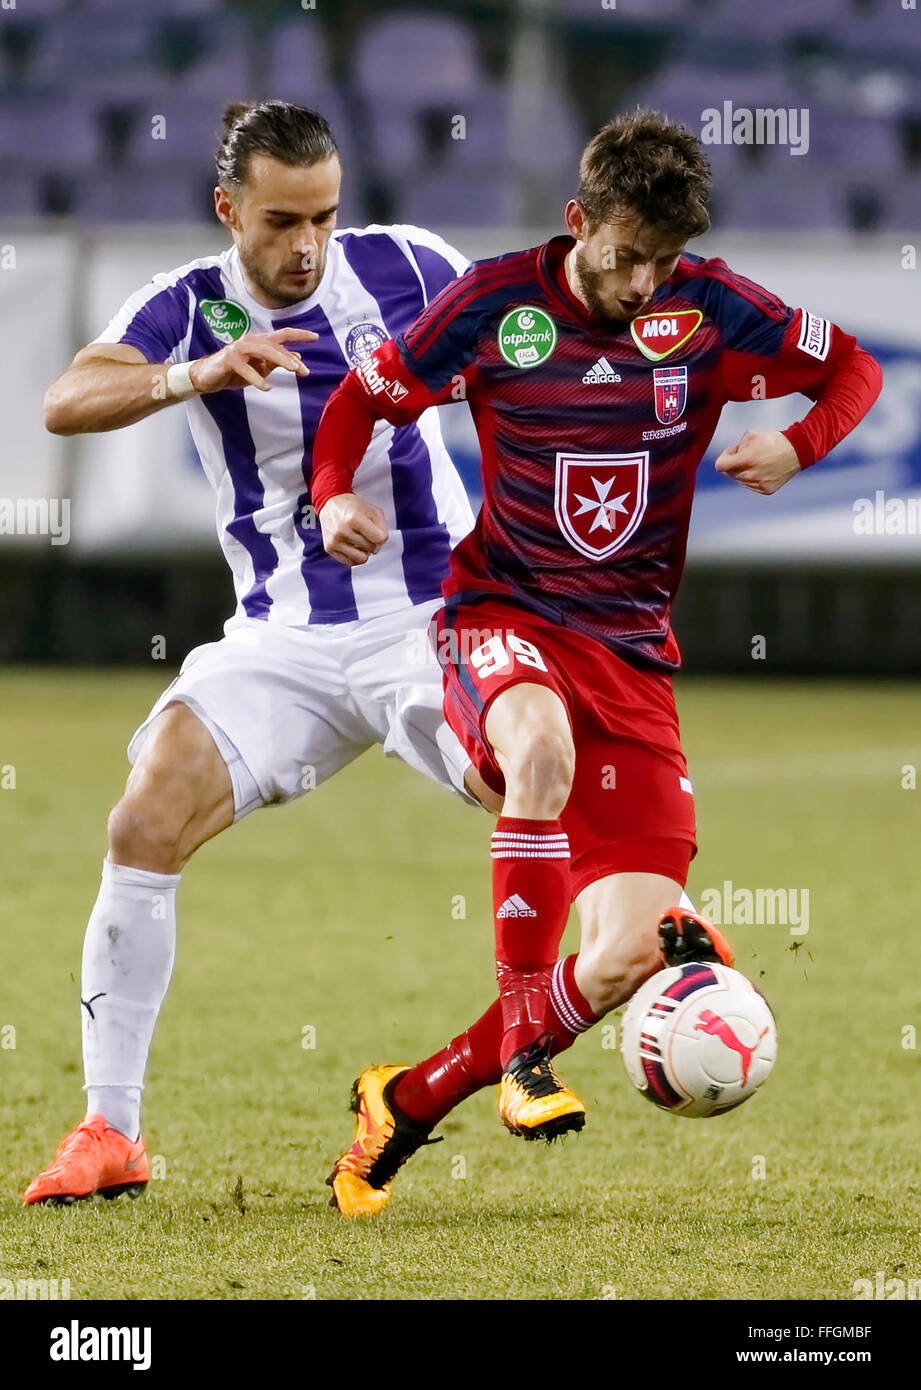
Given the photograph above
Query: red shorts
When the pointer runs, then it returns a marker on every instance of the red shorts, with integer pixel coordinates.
(631, 808)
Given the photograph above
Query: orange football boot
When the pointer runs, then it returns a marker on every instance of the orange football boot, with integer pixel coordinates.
(92, 1159)
(686, 936)
(384, 1139)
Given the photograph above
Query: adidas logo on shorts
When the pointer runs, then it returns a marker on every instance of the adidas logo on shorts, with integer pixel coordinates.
(601, 372)
(515, 906)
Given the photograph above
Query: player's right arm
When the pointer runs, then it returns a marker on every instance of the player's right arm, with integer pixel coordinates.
(109, 385)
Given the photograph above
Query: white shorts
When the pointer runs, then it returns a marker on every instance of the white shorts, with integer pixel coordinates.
(288, 707)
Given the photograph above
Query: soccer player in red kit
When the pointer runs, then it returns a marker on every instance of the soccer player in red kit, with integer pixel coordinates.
(596, 367)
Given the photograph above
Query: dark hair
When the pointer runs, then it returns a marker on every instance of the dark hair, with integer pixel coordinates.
(646, 163)
(294, 135)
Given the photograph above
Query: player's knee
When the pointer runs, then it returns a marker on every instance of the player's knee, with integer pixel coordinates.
(540, 769)
(145, 832)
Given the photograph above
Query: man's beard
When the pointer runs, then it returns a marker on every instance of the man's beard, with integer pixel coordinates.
(285, 297)
(590, 283)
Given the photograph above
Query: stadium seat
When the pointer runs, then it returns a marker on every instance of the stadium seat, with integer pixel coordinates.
(686, 90)
(792, 201)
(771, 22)
(160, 195)
(192, 129)
(451, 197)
(298, 70)
(416, 59)
(847, 139)
(884, 32)
(38, 135)
(76, 48)
(298, 62)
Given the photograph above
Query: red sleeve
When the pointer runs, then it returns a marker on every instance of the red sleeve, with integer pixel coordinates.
(381, 388)
(840, 406)
(821, 361)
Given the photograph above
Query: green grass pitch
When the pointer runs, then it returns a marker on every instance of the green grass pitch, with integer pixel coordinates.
(335, 923)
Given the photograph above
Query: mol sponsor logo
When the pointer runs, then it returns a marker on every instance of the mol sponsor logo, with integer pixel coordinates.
(659, 335)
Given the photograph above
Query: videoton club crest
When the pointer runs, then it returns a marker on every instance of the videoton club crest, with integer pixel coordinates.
(671, 392)
(600, 499)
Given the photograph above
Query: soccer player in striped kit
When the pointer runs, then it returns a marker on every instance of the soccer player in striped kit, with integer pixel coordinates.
(318, 662)
(596, 367)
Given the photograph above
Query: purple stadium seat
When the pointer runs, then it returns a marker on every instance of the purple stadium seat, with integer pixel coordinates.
(76, 47)
(887, 30)
(544, 132)
(416, 59)
(851, 140)
(797, 201)
(453, 197)
(192, 128)
(49, 134)
(770, 20)
(298, 63)
(686, 90)
(162, 195)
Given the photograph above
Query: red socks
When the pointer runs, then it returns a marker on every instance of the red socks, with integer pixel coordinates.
(531, 898)
(427, 1092)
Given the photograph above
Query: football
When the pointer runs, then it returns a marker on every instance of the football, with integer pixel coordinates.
(698, 1039)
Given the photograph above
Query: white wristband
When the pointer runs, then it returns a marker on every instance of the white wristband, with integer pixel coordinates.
(179, 381)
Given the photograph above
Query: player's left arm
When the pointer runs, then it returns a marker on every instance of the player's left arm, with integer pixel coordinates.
(432, 363)
(818, 359)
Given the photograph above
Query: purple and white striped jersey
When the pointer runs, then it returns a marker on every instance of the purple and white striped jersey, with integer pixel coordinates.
(256, 447)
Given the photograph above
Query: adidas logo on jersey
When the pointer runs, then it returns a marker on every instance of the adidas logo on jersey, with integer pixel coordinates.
(515, 906)
(601, 372)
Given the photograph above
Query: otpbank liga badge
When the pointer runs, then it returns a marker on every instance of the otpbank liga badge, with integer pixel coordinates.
(227, 320)
(527, 337)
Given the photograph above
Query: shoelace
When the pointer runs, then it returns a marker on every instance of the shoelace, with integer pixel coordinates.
(536, 1076)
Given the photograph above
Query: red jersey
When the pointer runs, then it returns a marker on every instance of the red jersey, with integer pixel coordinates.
(591, 431)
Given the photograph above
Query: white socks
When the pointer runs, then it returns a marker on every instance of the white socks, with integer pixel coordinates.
(127, 962)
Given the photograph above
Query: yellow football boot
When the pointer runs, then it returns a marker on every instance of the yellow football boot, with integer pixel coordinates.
(533, 1102)
(384, 1140)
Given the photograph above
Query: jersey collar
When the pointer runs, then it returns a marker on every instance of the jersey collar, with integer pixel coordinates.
(551, 271)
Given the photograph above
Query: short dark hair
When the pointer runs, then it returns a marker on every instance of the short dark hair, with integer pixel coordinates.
(294, 135)
(645, 163)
